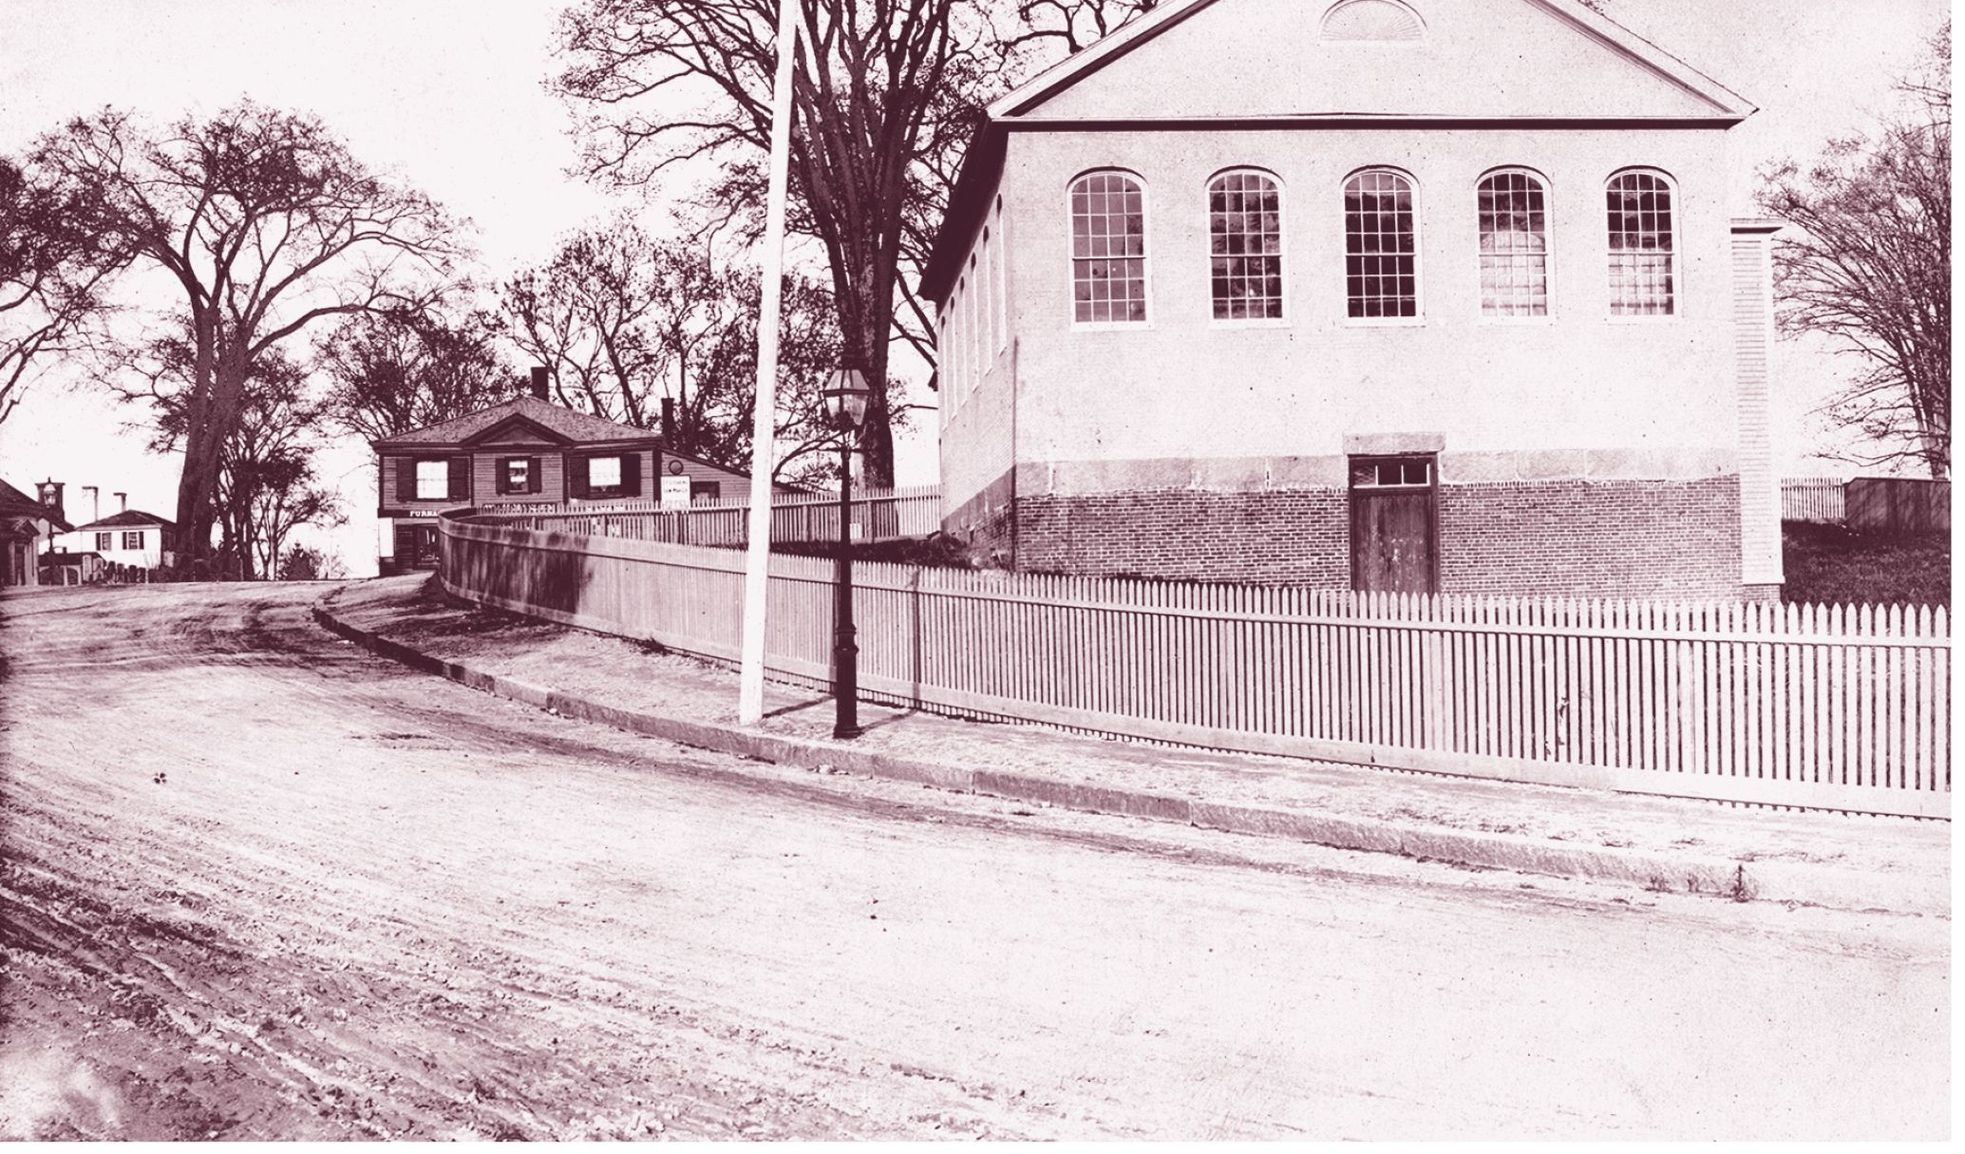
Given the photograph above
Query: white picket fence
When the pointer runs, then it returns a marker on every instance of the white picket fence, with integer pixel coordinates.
(1830, 707)
(1817, 499)
(877, 515)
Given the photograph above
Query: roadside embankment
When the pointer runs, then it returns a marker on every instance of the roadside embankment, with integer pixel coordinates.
(1664, 844)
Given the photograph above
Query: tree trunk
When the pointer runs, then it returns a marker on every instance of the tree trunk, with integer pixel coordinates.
(877, 317)
(877, 439)
(195, 487)
(210, 421)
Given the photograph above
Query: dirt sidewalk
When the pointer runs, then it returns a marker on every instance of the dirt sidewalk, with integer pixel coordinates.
(1662, 844)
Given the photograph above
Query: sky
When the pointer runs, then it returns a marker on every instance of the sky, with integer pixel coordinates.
(450, 95)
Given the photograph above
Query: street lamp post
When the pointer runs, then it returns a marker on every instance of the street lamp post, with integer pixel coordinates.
(845, 399)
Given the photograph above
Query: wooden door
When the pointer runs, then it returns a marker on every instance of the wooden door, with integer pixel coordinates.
(1394, 526)
(416, 546)
(426, 546)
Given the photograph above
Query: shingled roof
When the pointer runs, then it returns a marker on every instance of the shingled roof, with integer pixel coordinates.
(576, 427)
(128, 518)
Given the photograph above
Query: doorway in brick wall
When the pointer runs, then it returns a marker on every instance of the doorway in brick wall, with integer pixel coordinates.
(1395, 524)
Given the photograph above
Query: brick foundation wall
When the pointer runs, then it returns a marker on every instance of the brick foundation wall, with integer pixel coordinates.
(1621, 538)
(984, 522)
(1280, 537)
(1599, 538)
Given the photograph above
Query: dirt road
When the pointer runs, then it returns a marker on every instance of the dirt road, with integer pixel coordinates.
(258, 884)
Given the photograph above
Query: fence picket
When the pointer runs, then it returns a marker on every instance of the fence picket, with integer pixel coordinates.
(1728, 697)
(1923, 777)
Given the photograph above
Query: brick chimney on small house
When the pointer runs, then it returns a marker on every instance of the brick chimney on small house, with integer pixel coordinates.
(539, 382)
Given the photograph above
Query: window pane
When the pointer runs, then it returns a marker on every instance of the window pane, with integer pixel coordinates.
(1108, 247)
(1639, 208)
(603, 472)
(1380, 246)
(1391, 472)
(1245, 234)
(432, 480)
(1514, 246)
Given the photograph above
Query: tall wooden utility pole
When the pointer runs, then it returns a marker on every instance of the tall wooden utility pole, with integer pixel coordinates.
(757, 553)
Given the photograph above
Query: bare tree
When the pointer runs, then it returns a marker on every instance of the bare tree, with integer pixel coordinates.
(587, 315)
(52, 267)
(1074, 25)
(714, 415)
(267, 486)
(624, 322)
(267, 480)
(1870, 268)
(868, 85)
(889, 96)
(392, 372)
(265, 224)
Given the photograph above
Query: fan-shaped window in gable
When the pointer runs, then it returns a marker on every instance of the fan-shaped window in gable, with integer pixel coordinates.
(1372, 20)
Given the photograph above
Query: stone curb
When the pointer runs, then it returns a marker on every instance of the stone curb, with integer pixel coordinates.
(1803, 883)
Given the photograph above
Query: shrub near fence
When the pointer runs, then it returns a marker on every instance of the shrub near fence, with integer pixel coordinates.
(1833, 708)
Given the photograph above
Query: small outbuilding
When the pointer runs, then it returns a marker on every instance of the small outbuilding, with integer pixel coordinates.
(60, 567)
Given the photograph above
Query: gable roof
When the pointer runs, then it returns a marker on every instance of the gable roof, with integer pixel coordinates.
(127, 519)
(12, 500)
(1032, 94)
(1074, 94)
(555, 421)
(14, 503)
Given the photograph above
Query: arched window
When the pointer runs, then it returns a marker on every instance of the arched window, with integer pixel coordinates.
(987, 286)
(944, 371)
(958, 365)
(1381, 249)
(1108, 249)
(976, 319)
(1245, 240)
(1514, 221)
(1642, 248)
(1002, 283)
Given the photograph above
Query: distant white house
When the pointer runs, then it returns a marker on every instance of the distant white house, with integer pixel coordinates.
(132, 538)
(1438, 295)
